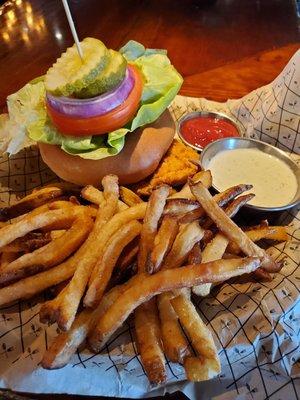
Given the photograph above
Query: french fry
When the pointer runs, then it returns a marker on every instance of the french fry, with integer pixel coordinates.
(213, 251)
(148, 335)
(129, 197)
(154, 210)
(200, 369)
(95, 196)
(35, 284)
(30, 223)
(70, 299)
(187, 237)
(225, 197)
(49, 255)
(277, 233)
(174, 342)
(200, 337)
(66, 343)
(105, 264)
(148, 286)
(30, 202)
(204, 176)
(146, 316)
(230, 229)
(180, 206)
(163, 242)
(27, 243)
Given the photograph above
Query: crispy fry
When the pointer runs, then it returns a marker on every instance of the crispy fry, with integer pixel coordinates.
(200, 369)
(30, 202)
(148, 335)
(35, 284)
(129, 197)
(30, 223)
(49, 255)
(231, 230)
(95, 196)
(105, 264)
(66, 343)
(187, 237)
(225, 197)
(163, 242)
(185, 193)
(181, 206)
(70, 299)
(148, 286)
(27, 243)
(277, 233)
(174, 342)
(197, 331)
(213, 251)
(182, 246)
(154, 210)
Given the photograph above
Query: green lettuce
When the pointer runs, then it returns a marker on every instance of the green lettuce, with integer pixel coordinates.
(161, 84)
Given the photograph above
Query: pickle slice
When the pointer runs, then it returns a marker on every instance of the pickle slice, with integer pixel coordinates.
(71, 74)
(107, 79)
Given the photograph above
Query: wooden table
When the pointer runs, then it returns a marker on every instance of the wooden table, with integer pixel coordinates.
(222, 49)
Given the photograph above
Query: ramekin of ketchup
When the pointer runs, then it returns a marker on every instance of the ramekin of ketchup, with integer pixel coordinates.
(198, 129)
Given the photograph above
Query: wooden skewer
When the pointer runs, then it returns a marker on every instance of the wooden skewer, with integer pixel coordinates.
(72, 27)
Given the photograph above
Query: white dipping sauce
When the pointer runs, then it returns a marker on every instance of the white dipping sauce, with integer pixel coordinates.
(274, 183)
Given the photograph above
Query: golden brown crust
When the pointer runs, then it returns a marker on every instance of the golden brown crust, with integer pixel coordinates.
(174, 169)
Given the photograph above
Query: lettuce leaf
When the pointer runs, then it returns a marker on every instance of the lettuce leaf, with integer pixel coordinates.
(28, 113)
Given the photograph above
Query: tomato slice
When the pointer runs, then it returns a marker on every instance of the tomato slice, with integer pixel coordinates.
(105, 123)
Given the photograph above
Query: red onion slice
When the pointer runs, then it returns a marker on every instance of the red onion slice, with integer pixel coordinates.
(87, 108)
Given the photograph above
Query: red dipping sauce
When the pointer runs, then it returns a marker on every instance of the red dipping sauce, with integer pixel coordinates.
(199, 131)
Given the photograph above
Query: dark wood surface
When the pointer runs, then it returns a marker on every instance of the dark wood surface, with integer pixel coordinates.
(223, 49)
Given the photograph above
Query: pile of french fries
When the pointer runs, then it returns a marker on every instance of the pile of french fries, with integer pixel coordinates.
(108, 254)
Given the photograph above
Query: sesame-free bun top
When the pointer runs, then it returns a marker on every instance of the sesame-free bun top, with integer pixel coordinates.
(142, 152)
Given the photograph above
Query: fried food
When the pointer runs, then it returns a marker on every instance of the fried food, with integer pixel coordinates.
(231, 230)
(28, 287)
(67, 306)
(30, 202)
(49, 255)
(174, 169)
(154, 210)
(66, 343)
(61, 217)
(105, 264)
(185, 193)
(200, 337)
(148, 286)
(188, 236)
(175, 344)
(200, 369)
(147, 329)
(129, 197)
(163, 242)
(277, 233)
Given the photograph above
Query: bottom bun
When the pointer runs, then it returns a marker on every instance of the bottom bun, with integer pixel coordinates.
(143, 150)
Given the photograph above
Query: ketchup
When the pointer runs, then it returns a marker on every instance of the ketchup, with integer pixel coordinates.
(200, 131)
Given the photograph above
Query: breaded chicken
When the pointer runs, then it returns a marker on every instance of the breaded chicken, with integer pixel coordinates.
(174, 169)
